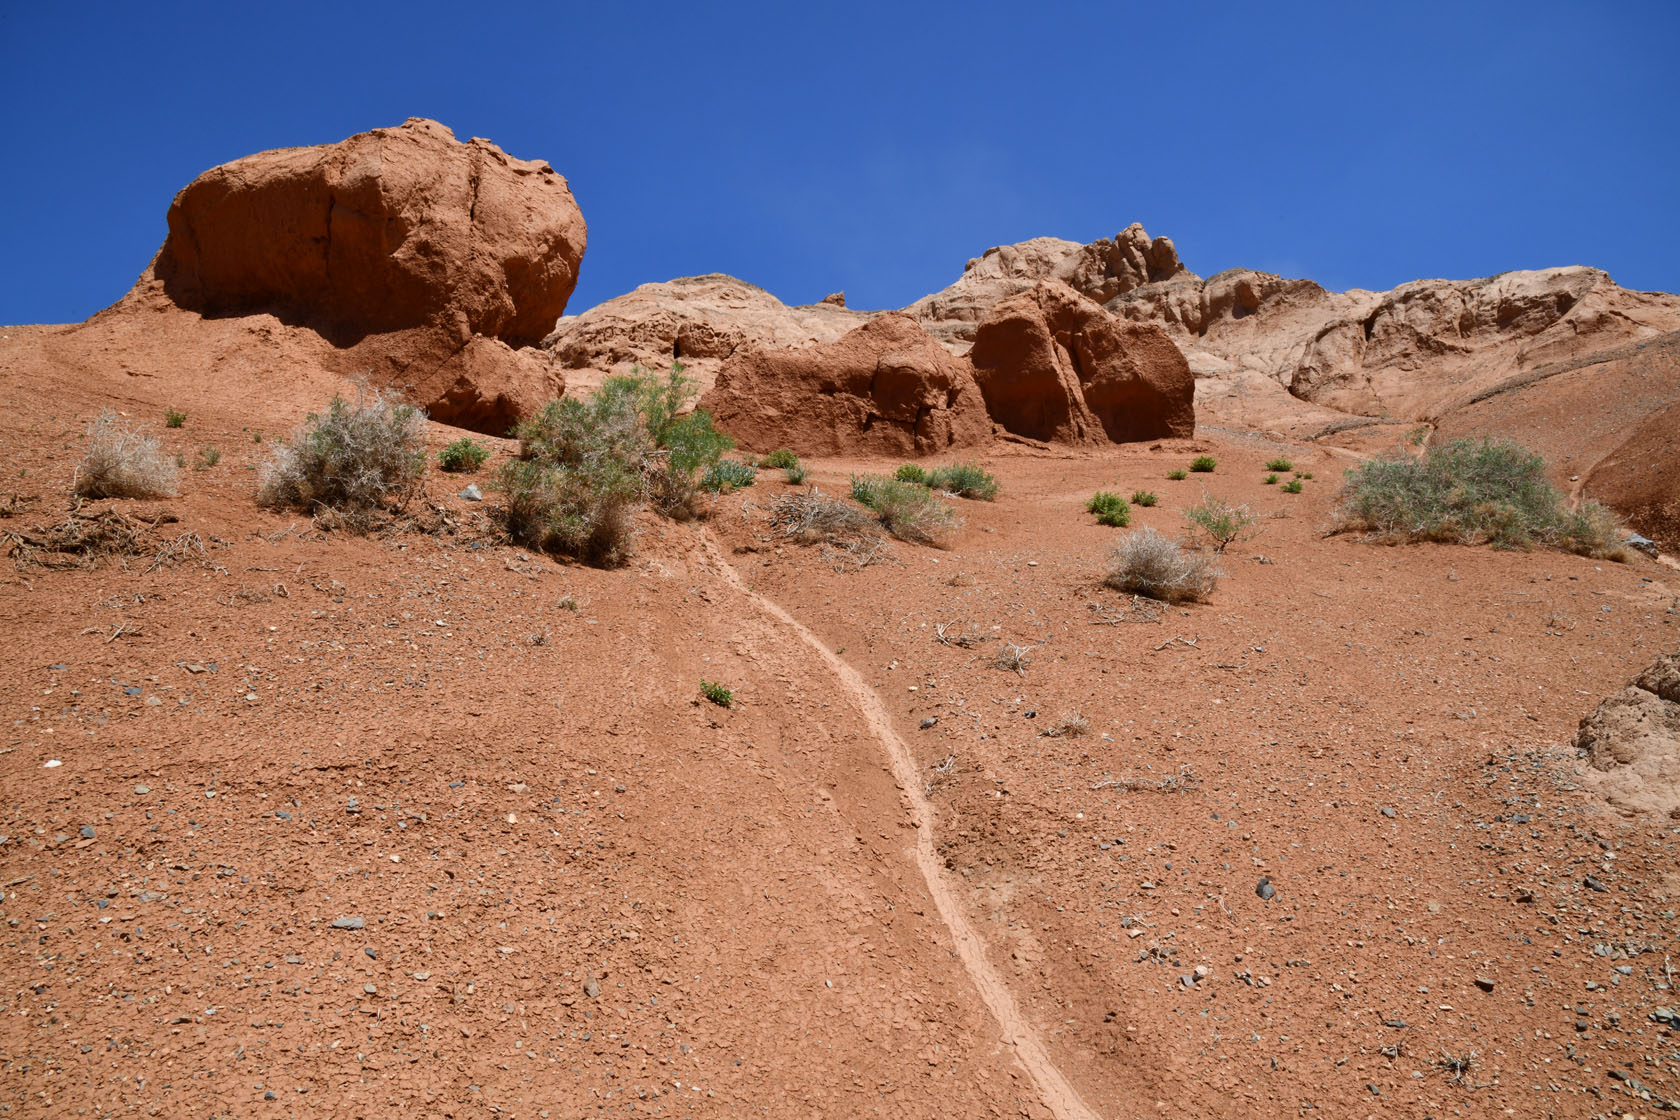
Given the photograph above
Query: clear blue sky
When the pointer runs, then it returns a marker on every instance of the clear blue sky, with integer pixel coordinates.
(876, 147)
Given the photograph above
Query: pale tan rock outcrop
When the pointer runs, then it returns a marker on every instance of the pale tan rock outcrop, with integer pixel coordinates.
(1055, 366)
(885, 388)
(1632, 742)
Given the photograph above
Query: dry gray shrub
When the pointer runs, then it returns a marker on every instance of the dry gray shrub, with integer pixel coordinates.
(123, 462)
(351, 461)
(850, 536)
(1146, 563)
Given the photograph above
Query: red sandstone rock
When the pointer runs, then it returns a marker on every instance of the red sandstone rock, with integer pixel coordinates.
(1055, 366)
(885, 388)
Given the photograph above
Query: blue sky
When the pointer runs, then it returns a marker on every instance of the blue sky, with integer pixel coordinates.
(876, 147)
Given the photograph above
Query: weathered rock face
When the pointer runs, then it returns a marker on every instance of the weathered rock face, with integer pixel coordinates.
(1640, 479)
(426, 259)
(1632, 741)
(885, 388)
(1101, 270)
(1055, 366)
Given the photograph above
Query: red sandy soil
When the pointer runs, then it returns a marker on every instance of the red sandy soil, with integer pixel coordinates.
(584, 889)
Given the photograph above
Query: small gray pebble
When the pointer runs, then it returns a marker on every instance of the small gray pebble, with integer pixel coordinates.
(282, 814)
(929, 721)
(1265, 889)
(1593, 884)
(1387, 812)
(472, 493)
(87, 832)
(1397, 1024)
(1484, 983)
(372, 954)
(347, 923)
(370, 989)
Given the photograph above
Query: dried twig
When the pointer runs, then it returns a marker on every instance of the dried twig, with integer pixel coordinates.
(939, 774)
(1191, 642)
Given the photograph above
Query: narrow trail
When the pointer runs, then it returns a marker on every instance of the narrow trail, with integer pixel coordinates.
(1056, 1092)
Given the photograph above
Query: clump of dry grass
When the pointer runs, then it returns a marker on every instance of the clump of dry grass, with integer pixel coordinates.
(1070, 725)
(1146, 563)
(87, 539)
(123, 462)
(910, 512)
(850, 536)
(351, 461)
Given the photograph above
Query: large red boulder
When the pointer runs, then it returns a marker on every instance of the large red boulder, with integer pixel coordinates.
(885, 388)
(427, 258)
(1057, 367)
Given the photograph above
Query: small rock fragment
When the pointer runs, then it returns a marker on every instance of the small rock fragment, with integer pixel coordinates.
(1484, 983)
(1593, 884)
(929, 721)
(347, 923)
(1387, 812)
(472, 493)
(1265, 889)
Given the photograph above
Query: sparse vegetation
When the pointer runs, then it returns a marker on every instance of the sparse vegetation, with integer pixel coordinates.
(729, 474)
(717, 694)
(1146, 563)
(1204, 464)
(1220, 522)
(1279, 464)
(965, 480)
(1177, 475)
(120, 461)
(795, 474)
(1293, 486)
(1270, 480)
(779, 460)
(850, 535)
(1111, 509)
(174, 418)
(1474, 492)
(1070, 725)
(911, 472)
(1013, 658)
(587, 464)
(1144, 498)
(208, 458)
(1303, 474)
(463, 455)
(351, 461)
(909, 512)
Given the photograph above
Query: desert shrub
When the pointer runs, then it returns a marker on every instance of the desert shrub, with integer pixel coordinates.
(911, 472)
(1177, 475)
(1220, 522)
(1591, 530)
(1111, 509)
(463, 455)
(965, 480)
(1471, 492)
(1279, 464)
(174, 418)
(208, 458)
(1144, 497)
(909, 512)
(795, 473)
(1303, 474)
(122, 462)
(1146, 563)
(584, 511)
(728, 474)
(716, 693)
(1293, 486)
(779, 460)
(351, 461)
(1270, 480)
(1204, 464)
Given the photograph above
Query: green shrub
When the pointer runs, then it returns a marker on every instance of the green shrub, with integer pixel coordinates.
(795, 474)
(351, 461)
(1270, 480)
(1304, 474)
(1204, 464)
(1222, 523)
(120, 461)
(911, 472)
(1146, 563)
(728, 474)
(1111, 509)
(174, 418)
(1293, 486)
(965, 480)
(584, 511)
(1177, 475)
(1144, 497)
(779, 460)
(208, 458)
(1472, 492)
(1279, 464)
(463, 455)
(909, 512)
(716, 693)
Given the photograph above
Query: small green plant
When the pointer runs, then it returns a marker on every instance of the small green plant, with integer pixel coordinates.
(1270, 480)
(208, 458)
(463, 455)
(174, 418)
(1418, 435)
(1204, 464)
(717, 694)
(728, 474)
(1293, 486)
(1304, 474)
(911, 472)
(779, 460)
(1111, 509)
(965, 480)
(795, 473)
(1146, 563)
(180, 458)
(1144, 497)
(1177, 475)
(909, 512)
(1279, 464)
(256, 436)
(1222, 523)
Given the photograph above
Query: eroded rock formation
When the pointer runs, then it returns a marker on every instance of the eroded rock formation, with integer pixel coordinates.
(1632, 741)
